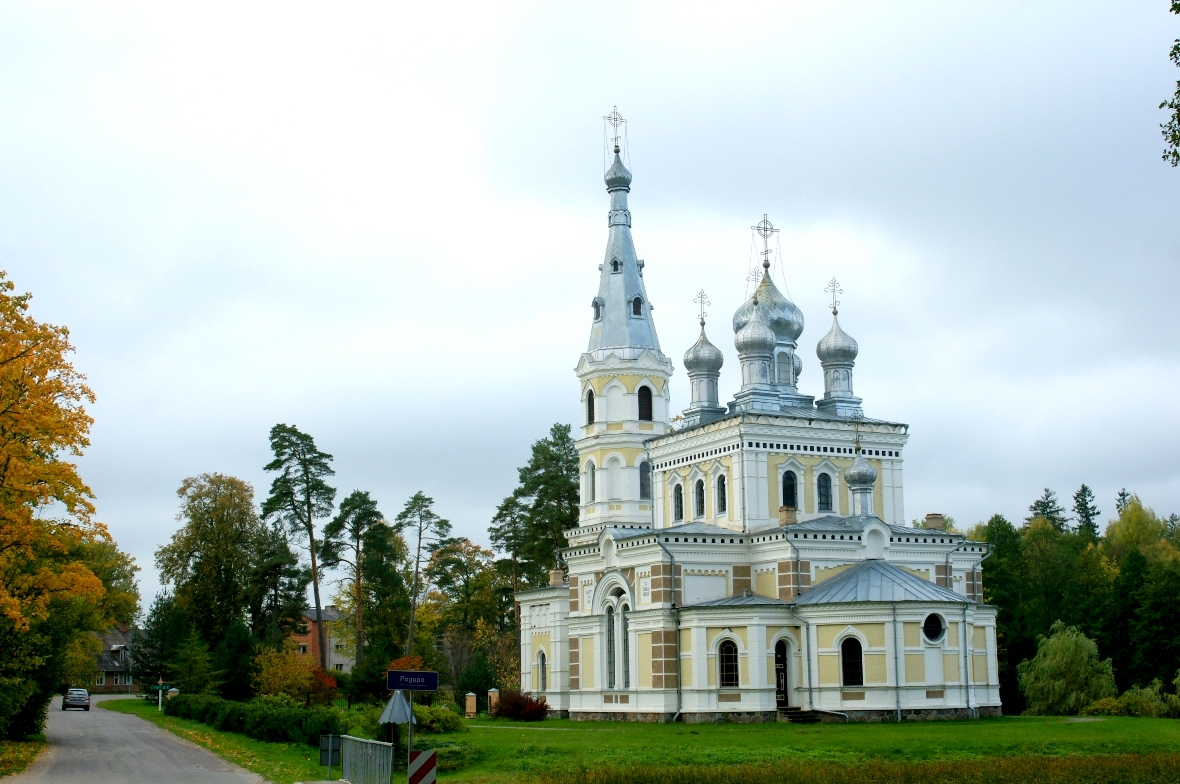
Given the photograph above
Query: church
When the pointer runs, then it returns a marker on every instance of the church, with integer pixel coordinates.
(747, 561)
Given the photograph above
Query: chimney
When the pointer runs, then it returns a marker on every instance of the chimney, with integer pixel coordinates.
(935, 522)
(787, 516)
(556, 578)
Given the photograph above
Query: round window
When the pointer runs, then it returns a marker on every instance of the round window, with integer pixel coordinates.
(933, 628)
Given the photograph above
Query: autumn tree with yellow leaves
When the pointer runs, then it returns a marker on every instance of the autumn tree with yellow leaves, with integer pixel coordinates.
(61, 575)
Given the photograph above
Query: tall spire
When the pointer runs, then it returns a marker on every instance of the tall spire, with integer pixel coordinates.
(621, 311)
(837, 354)
(703, 362)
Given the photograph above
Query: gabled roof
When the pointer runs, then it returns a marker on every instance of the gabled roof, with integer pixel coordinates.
(878, 581)
(328, 612)
(689, 529)
(746, 599)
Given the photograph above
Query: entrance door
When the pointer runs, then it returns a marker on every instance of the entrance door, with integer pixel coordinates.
(780, 674)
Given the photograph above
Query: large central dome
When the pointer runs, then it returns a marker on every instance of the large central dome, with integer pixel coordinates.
(781, 314)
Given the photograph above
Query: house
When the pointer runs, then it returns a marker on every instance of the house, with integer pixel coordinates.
(340, 657)
(113, 671)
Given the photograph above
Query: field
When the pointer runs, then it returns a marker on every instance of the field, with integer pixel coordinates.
(499, 751)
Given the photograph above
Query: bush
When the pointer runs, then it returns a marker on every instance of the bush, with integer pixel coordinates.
(520, 706)
(1107, 706)
(1066, 675)
(266, 720)
(1146, 703)
(429, 719)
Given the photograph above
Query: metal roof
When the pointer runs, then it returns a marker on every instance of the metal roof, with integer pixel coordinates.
(878, 581)
(686, 529)
(746, 599)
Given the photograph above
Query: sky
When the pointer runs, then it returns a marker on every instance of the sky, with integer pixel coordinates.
(382, 223)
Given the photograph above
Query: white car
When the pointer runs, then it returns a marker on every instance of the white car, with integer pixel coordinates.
(76, 698)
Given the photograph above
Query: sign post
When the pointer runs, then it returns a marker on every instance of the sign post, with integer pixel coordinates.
(412, 681)
(160, 687)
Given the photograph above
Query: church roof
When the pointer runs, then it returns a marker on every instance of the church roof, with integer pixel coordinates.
(878, 581)
(686, 528)
(745, 599)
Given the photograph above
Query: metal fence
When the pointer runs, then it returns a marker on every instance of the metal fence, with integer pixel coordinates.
(367, 761)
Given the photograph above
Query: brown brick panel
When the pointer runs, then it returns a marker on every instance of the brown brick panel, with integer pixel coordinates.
(573, 593)
(741, 578)
(940, 574)
(575, 666)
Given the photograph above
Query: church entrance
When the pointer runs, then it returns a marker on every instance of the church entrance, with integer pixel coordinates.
(780, 674)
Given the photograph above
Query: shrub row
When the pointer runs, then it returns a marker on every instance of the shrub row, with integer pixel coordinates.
(266, 722)
(520, 706)
(1146, 703)
(1121, 769)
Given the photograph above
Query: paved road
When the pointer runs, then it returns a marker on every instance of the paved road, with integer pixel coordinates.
(103, 747)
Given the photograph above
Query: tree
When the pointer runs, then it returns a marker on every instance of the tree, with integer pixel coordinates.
(1155, 629)
(283, 671)
(191, 669)
(164, 630)
(1121, 500)
(234, 658)
(1086, 513)
(425, 528)
(509, 533)
(1171, 129)
(276, 589)
(1047, 508)
(548, 491)
(345, 540)
(209, 559)
(1066, 675)
(298, 497)
(463, 572)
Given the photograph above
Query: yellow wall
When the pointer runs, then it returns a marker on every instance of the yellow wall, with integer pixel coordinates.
(979, 668)
(824, 572)
(587, 662)
(630, 455)
(825, 636)
(770, 670)
(875, 668)
(686, 671)
(911, 634)
(915, 668)
(952, 634)
(743, 671)
(979, 638)
(628, 380)
(738, 631)
(829, 670)
(686, 640)
(766, 584)
(950, 667)
(873, 632)
(644, 653)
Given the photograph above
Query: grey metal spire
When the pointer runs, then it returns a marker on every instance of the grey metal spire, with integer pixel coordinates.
(837, 354)
(703, 362)
(621, 311)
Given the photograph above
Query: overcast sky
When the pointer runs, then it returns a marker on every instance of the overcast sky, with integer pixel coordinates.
(383, 224)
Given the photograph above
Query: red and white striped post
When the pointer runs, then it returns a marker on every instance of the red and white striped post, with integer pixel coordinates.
(423, 767)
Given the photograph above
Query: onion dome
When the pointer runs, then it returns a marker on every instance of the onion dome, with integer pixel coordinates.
(860, 473)
(703, 357)
(837, 345)
(783, 316)
(617, 175)
(756, 337)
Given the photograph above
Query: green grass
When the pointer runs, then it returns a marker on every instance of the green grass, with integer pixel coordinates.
(502, 751)
(15, 755)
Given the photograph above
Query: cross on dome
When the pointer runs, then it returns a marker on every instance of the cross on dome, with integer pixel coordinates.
(702, 300)
(835, 289)
(614, 119)
(765, 229)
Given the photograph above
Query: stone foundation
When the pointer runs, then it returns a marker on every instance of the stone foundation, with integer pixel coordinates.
(757, 717)
(729, 717)
(651, 718)
(916, 714)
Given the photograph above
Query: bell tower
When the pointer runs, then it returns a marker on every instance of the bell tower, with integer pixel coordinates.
(624, 375)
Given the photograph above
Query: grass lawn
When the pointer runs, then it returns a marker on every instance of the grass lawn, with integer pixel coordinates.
(502, 751)
(15, 755)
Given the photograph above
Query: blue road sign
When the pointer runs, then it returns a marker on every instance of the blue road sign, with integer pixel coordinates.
(414, 681)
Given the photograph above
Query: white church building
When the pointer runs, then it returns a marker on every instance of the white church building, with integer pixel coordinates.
(749, 561)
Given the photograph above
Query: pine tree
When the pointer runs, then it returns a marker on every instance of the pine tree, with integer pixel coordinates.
(299, 496)
(234, 659)
(549, 493)
(1120, 501)
(345, 539)
(276, 589)
(1087, 513)
(1047, 508)
(426, 529)
(191, 669)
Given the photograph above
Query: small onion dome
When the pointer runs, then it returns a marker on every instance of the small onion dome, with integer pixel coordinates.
(860, 473)
(837, 345)
(784, 318)
(617, 175)
(703, 357)
(756, 337)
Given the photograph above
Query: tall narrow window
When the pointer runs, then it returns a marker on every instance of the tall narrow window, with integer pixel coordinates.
(637, 307)
(597, 310)
(678, 503)
(626, 640)
(610, 648)
(851, 664)
(542, 675)
(590, 479)
(614, 265)
(722, 495)
(699, 499)
(645, 404)
(727, 665)
(590, 407)
(789, 490)
(645, 480)
(823, 488)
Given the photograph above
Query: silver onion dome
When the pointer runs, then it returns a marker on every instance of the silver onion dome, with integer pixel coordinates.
(860, 473)
(756, 336)
(703, 357)
(837, 345)
(781, 314)
(617, 175)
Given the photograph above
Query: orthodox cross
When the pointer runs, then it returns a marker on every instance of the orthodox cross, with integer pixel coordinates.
(856, 418)
(765, 230)
(702, 300)
(614, 119)
(834, 287)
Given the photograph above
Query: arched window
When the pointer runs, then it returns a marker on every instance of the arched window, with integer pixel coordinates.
(727, 665)
(597, 310)
(851, 664)
(624, 634)
(614, 265)
(698, 498)
(645, 480)
(721, 495)
(823, 487)
(590, 407)
(678, 503)
(637, 307)
(610, 648)
(590, 480)
(789, 498)
(542, 675)
(645, 404)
